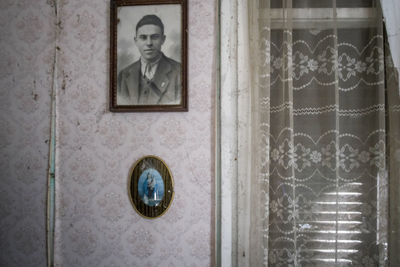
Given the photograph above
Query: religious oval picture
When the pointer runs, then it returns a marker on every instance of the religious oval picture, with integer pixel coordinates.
(150, 187)
(148, 55)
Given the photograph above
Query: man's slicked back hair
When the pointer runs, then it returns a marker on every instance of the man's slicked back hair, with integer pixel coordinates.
(150, 19)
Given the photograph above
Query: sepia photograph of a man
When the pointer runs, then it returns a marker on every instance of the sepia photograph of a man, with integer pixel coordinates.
(154, 73)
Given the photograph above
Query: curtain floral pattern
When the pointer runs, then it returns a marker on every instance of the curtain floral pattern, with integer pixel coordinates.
(325, 105)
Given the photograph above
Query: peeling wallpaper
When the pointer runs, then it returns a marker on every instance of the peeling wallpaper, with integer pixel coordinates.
(95, 222)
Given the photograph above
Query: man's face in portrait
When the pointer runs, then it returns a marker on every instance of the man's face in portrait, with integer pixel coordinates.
(149, 39)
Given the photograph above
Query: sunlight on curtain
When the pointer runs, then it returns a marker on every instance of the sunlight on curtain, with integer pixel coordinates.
(321, 113)
(393, 153)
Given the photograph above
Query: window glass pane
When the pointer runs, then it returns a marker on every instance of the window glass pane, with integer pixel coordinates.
(329, 3)
(322, 3)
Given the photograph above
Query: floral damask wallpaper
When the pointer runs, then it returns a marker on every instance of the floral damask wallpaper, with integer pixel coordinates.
(26, 67)
(95, 222)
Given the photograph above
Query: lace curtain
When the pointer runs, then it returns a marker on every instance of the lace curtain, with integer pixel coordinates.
(325, 137)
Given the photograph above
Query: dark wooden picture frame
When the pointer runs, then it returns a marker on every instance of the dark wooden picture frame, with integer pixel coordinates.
(150, 187)
(148, 55)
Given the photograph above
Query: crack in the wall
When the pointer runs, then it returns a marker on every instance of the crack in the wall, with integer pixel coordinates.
(53, 4)
(51, 173)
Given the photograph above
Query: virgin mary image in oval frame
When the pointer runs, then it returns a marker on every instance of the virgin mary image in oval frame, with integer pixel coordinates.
(150, 187)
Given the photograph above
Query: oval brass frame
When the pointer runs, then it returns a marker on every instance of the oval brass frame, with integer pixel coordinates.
(151, 212)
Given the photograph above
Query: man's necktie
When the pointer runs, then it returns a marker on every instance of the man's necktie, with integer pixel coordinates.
(147, 71)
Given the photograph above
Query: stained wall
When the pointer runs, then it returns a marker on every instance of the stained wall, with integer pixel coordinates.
(27, 47)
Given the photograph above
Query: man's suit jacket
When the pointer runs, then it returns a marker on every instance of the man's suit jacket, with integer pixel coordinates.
(165, 86)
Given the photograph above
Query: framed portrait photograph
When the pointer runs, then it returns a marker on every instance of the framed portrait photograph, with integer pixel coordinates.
(148, 56)
(150, 187)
